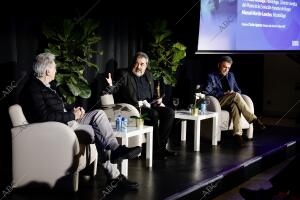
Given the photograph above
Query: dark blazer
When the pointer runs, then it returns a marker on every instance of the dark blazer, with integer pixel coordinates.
(128, 88)
(214, 85)
(41, 103)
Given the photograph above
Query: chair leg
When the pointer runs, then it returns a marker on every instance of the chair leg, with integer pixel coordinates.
(94, 168)
(250, 132)
(75, 181)
(219, 135)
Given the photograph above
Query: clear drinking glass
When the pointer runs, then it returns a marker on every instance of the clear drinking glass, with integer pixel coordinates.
(175, 102)
(207, 102)
(190, 108)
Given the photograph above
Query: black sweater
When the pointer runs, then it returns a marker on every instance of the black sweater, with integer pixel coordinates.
(128, 87)
(40, 103)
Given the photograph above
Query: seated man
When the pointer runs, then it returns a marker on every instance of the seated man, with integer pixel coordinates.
(223, 86)
(137, 86)
(41, 104)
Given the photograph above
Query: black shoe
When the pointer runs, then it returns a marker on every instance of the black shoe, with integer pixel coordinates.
(121, 182)
(143, 154)
(170, 153)
(238, 140)
(246, 139)
(123, 152)
(258, 124)
(261, 194)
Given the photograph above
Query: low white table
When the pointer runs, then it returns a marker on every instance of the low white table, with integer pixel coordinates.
(134, 131)
(186, 115)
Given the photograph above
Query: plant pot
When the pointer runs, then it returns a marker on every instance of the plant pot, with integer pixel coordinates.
(195, 111)
(139, 123)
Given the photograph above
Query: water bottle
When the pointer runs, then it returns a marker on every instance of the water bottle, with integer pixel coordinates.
(203, 108)
(124, 125)
(118, 123)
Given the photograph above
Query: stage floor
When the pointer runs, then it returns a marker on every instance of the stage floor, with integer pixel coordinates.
(181, 176)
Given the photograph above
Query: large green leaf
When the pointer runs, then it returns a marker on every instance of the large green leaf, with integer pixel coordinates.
(79, 87)
(59, 79)
(66, 93)
(70, 99)
(88, 63)
(179, 46)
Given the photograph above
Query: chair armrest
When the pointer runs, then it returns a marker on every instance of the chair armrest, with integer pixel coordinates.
(16, 115)
(127, 110)
(47, 149)
(214, 104)
(107, 99)
(248, 102)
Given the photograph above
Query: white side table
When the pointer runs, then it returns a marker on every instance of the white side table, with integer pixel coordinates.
(186, 115)
(134, 131)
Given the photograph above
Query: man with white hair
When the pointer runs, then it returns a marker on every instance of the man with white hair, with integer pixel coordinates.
(41, 103)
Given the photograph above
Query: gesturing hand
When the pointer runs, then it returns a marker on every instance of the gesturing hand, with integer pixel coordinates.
(78, 112)
(82, 112)
(109, 80)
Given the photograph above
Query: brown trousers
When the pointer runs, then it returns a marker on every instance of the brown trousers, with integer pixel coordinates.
(237, 105)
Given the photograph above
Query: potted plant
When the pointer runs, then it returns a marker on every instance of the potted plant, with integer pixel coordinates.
(72, 42)
(141, 118)
(164, 54)
(199, 100)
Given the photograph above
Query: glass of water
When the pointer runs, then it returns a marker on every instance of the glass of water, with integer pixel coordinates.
(175, 103)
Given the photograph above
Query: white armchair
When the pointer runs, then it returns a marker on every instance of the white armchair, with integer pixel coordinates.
(48, 153)
(127, 110)
(225, 122)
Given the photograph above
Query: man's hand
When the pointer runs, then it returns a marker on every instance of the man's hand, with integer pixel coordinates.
(82, 111)
(78, 112)
(162, 105)
(146, 104)
(109, 80)
(159, 101)
(228, 92)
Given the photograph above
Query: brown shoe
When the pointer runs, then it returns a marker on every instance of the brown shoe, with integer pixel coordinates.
(238, 140)
(258, 124)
